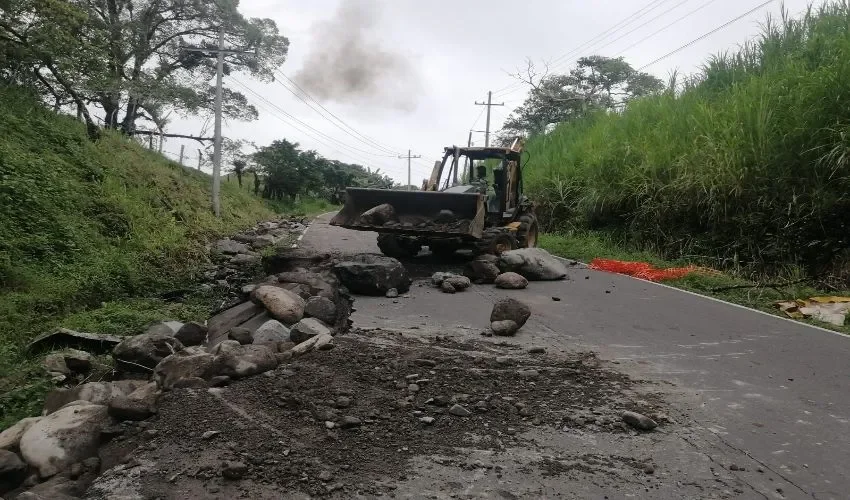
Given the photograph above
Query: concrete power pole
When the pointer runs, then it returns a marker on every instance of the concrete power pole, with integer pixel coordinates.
(409, 157)
(489, 105)
(182, 150)
(220, 52)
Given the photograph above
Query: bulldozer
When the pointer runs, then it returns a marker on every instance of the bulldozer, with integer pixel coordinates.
(482, 209)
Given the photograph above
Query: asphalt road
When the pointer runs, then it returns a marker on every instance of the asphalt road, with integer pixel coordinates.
(768, 395)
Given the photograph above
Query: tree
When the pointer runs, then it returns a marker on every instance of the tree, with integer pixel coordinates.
(126, 56)
(238, 169)
(596, 83)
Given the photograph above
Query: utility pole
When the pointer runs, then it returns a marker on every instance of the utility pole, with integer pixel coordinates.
(220, 52)
(409, 157)
(200, 155)
(489, 105)
(182, 150)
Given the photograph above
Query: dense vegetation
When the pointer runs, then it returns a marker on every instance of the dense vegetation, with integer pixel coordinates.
(746, 167)
(85, 223)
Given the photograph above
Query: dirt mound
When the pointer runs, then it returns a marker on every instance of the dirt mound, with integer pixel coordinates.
(351, 420)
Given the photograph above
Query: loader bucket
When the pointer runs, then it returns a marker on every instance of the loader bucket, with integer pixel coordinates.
(416, 212)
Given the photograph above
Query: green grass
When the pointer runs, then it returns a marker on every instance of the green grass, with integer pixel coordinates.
(749, 291)
(746, 168)
(89, 229)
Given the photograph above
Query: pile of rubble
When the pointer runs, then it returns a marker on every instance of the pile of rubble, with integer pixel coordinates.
(236, 260)
(511, 271)
(299, 308)
(386, 216)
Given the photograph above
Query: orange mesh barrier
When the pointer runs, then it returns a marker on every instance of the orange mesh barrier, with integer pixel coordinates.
(642, 270)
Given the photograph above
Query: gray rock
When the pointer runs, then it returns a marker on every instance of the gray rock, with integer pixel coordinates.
(219, 381)
(349, 422)
(55, 363)
(504, 328)
(438, 278)
(511, 281)
(445, 217)
(378, 216)
(123, 408)
(238, 361)
(263, 241)
(246, 260)
(230, 247)
(281, 304)
(271, 332)
(321, 308)
(324, 342)
(68, 362)
(427, 420)
(639, 421)
(392, 293)
(234, 470)
(247, 289)
(13, 470)
(242, 335)
(372, 274)
(141, 353)
(306, 329)
(483, 269)
(191, 383)
(191, 334)
(537, 350)
(164, 327)
(459, 283)
(64, 438)
(188, 363)
(510, 309)
(100, 393)
(528, 374)
(447, 287)
(459, 411)
(11, 437)
(535, 264)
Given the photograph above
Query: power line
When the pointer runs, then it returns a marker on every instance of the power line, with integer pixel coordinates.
(705, 35)
(642, 25)
(677, 20)
(245, 87)
(610, 31)
(339, 123)
(274, 109)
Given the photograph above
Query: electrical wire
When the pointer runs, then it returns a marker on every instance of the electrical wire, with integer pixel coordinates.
(706, 35)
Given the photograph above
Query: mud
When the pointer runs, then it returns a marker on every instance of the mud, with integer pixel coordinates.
(279, 426)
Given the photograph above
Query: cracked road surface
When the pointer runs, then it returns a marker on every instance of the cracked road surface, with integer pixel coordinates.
(747, 391)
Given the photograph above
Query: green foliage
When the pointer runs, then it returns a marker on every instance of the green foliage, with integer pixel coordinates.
(288, 171)
(596, 83)
(746, 168)
(85, 223)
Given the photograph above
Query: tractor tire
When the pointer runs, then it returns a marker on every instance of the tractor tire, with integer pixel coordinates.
(495, 241)
(398, 247)
(528, 231)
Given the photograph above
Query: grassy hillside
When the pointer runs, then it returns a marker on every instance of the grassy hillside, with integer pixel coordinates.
(747, 168)
(88, 228)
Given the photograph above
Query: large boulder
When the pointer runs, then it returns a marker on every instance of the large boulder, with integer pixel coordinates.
(321, 308)
(308, 328)
(190, 362)
(373, 274)
(283, 305)
(271, 332)
(68, 362)
(63, 438)
(378, 216)
(483, 269)
(191, 334)
(504, 328)
(100, 393)
(510, 309)
(11, 437)
(12, 471)
(511, 281)
(141, 353)
(239, 361)
(321, 284)
(164, 327)
(138, 405)
(535, 264)
(230, 247)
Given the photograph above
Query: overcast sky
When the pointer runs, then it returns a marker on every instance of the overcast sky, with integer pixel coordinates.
(406, 73)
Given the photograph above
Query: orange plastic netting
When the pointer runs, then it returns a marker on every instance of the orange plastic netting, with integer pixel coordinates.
(642, 270)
